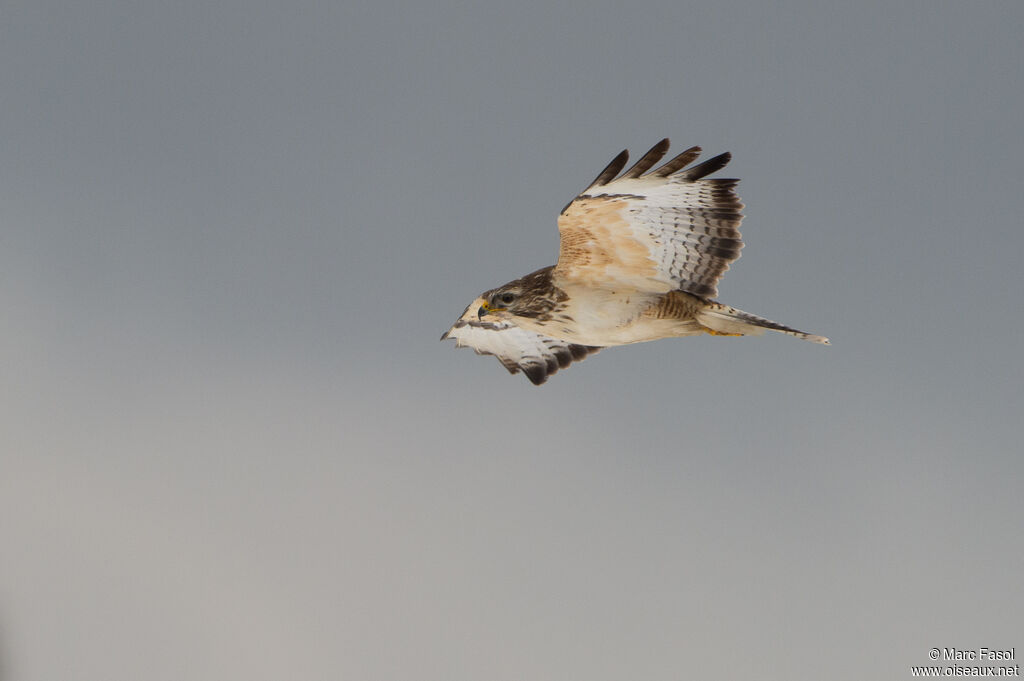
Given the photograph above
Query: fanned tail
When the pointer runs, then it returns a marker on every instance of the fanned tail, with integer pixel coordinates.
(723, 320)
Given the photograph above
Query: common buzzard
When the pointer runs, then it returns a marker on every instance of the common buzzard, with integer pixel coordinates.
(640, 259)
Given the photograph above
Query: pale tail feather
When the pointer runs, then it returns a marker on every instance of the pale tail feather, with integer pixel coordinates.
(723, 319)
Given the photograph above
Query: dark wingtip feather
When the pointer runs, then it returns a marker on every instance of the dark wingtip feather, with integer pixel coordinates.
(706, 168)
(540, 371)
(680, 161)
(580, 352)
(647, 161)
(611, 170)
(537, 373)
(606, 176)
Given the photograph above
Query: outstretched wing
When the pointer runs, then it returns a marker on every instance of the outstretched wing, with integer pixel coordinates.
(517, 349)
(653, 230)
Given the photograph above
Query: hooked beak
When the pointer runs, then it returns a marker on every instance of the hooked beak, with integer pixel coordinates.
(486, 308)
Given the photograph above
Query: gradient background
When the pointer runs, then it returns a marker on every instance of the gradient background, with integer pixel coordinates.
(231, 445)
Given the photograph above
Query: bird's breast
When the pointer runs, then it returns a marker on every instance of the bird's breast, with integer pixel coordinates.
(602, 318)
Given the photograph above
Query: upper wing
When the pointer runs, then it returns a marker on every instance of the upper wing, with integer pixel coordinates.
(517, 349)
(653, 230)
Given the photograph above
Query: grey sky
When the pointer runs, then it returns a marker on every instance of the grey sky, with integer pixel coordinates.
(232, 447)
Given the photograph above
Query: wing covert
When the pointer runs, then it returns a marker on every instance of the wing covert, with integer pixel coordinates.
(656, 230)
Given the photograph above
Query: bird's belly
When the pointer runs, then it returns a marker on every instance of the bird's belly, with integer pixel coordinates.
(609, 319)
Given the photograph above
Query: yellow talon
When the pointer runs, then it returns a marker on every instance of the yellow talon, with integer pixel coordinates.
(720, 333)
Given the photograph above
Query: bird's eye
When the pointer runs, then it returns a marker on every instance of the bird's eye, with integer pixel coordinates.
(507, 298)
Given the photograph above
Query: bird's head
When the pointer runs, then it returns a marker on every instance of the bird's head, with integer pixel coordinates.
(500, 303)
(526, 299)
(494, 308)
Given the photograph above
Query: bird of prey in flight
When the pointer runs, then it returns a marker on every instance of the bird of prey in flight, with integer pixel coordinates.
(640, 258)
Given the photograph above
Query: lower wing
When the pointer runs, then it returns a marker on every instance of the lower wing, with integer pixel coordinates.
(517, 349)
